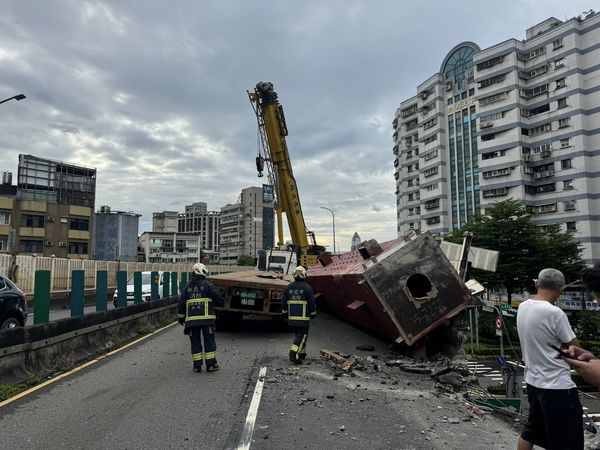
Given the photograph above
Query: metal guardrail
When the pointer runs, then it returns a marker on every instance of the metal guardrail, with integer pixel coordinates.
(61, 270)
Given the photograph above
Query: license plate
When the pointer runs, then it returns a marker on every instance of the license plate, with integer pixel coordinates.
(247, 298)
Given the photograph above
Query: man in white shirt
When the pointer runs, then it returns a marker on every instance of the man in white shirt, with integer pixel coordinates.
(555, 414)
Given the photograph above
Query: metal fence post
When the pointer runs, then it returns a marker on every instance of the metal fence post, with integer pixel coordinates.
(137, 288)
(184, 281)
(121, 288)
(101, 289)
(154, 280)
(77, 292)
(41, 297)
(174, 287)
(166, 288)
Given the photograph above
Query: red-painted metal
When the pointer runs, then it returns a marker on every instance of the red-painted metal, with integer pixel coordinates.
(400, 289)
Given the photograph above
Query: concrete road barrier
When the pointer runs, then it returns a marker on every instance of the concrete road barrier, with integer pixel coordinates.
(43, 349)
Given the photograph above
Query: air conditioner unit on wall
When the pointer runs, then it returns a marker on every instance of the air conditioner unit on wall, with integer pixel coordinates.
(62, 244)
(49, 243)
(50, 219)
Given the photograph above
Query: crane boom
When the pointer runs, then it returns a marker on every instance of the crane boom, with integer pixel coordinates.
(273, 130)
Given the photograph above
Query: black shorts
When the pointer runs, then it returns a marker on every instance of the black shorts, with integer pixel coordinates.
(555, 419)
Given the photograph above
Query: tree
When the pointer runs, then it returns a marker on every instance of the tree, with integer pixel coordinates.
(524, 248)
(246, 260)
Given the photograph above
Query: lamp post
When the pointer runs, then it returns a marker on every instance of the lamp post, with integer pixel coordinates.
(333, 219)
(14, 97)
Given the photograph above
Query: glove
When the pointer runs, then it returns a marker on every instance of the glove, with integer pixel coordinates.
(181, 320)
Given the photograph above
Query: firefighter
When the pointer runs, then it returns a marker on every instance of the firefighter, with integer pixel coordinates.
(299, 305)
(197, 313)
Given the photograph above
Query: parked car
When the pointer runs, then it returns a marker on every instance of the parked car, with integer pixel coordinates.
(13, 307)
(146, 288)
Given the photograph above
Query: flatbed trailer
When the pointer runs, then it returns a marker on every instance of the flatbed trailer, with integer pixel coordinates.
(250, 293)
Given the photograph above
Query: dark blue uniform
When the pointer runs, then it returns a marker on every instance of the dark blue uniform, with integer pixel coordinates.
(299, 305)
(196, 311)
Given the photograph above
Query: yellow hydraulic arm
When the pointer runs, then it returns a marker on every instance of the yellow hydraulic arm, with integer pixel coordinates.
(273, 130)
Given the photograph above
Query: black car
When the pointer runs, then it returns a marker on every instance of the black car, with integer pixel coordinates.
(13, 308)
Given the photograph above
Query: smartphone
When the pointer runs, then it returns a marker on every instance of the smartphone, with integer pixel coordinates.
(560, 352)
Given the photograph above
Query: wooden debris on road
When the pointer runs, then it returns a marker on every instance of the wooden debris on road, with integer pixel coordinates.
(345, 364)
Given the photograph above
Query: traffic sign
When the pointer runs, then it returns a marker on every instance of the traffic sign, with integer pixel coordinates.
(498, 326)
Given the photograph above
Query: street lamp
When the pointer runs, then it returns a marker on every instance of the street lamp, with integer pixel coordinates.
(15, 97)
(333, 218)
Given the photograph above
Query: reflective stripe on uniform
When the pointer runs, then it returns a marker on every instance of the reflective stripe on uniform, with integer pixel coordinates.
(301, 347)
(199, 301)
(210, 355)
(294, 348)
(303, 303)
(197, 356)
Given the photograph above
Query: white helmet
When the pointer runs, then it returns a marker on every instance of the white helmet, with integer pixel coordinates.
(299, 272)
(200, 269)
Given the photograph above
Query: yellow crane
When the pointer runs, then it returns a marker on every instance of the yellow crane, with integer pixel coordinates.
(272, 131)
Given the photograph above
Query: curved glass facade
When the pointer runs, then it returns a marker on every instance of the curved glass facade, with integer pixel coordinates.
(458, 64)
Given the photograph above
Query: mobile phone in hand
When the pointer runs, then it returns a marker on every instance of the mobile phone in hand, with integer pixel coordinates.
(561, 352)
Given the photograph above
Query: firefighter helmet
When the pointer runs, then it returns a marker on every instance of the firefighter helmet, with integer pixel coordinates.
(200, 269)
(299, 272)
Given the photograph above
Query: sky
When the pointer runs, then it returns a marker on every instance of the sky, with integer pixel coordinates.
(153, 94)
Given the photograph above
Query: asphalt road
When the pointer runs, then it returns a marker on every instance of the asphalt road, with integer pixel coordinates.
(147, 396)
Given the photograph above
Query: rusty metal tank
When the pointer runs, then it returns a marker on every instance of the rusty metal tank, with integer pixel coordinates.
(401, 289)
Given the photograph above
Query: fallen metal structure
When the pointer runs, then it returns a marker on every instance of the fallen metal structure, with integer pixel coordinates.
(401, 289)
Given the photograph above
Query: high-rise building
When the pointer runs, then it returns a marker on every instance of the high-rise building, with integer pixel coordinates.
(515, 120)
(355, 241)
(115, 235)
(197, 219)
(165, 222)
(248, 225)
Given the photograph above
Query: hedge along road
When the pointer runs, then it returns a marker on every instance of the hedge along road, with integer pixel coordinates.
(147, 396)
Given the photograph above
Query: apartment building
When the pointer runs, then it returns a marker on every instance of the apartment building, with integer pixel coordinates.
(248, 225)
(50, 211)
(515, 120)
(198, 219)
(158, 247)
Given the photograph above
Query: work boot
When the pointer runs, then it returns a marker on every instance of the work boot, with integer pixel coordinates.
(212, 368)
(197, 368)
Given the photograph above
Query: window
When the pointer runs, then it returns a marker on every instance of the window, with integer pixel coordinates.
(450, 101)
(4, 218)
(492, 80)
(557, 43)
(31, 246)
(491, 117)
(411, 197)
(561, 82)
(32, 221)
(411, 124)
(409, 111)
(490, 62)
(79, 224)
(430, 139)
(430, 123)
(495, 192)
(563, 123)
(529, 74)
(3, 245)
(488, 137)
(559, 63)
(526, 56)
(492, 99)
(568, 184)
(433, 220)
(571, 226)
(409, 141)
(562, 102)
(431, 187)
(430, 155)
(535, 111)
(411, 211)
(495, 154)
(566, 164)
(430, 172)
(534, 92)
(78, 248)
(409, 183)
(432, 204)
(570, 205)
(409, 154)
(566, 142)
(497, 172)
(540, 129)
(471, 92)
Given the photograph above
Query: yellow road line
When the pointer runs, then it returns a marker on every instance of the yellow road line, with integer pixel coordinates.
(77, 369)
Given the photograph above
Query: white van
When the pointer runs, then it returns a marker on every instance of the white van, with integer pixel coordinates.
(146, 288)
